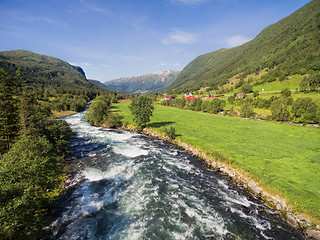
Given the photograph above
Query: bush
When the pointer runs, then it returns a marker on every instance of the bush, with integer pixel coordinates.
(113, 120)
(171, 132)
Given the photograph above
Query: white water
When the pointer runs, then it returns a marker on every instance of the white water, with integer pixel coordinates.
(128, 186)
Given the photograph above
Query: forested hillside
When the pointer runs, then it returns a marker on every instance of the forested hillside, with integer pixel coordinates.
(143, 84)
(43, 72)
(290, 46)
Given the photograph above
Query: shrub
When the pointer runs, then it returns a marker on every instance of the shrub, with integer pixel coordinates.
(171, 132)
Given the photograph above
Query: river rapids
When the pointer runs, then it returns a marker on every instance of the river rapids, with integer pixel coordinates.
(128, 186)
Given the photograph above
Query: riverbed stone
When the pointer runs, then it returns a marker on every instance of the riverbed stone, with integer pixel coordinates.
(292, 220)
(313, 234)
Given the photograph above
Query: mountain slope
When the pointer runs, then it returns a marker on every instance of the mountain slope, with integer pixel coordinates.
(290, 46)
(143, 84)
(43, 71)
(98, 84)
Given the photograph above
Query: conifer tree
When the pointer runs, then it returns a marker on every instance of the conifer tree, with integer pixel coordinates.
(9, 121)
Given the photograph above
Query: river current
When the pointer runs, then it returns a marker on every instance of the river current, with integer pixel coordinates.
(128, 186)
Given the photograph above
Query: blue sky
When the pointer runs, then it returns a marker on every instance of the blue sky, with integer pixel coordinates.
(117, 38)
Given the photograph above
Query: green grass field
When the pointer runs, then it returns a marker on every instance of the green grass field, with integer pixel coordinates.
(283, 158)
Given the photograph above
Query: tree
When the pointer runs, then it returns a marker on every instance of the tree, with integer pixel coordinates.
(280, 110)
(141, 109)
(97, 112)
(30, 176)
(305, 109)
(314, 81)
(195, 104)
(286, 93)
(247, 88)
(304, 84)
(9, 117)
(246, 109)
(217, 105)
(231, 99)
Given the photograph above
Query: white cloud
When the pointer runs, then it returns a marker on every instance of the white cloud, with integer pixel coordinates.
(137, 23)
(42, 19)
(188, 2)
(178, 36)
(86, 64)
(106, 66)
(237, 40)
(92, 7)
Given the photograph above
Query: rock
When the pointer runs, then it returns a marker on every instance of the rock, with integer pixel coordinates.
(313, 234)
(303, 222)
(257, 191)
(292, 220)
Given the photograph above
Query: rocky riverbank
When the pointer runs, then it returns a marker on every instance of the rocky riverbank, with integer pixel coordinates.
(310, 230)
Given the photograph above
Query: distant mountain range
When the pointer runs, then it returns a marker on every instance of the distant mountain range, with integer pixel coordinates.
(143, 84)
(290, 46)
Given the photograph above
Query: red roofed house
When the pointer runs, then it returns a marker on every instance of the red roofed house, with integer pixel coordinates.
(166, 97)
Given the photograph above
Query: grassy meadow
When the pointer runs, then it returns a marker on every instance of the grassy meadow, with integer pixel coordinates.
(284, 159)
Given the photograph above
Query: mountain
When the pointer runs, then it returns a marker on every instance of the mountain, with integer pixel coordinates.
(290, 46)
(42, 71)
(98, 84)
(143, 84)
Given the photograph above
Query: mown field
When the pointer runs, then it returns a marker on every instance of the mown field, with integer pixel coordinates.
(284, 159)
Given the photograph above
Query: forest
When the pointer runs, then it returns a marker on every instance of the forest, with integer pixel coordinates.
(34, 147)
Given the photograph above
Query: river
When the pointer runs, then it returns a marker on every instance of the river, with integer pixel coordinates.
(128, 186)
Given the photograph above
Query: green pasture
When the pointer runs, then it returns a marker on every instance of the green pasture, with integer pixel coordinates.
(292, 83)
(283, 158)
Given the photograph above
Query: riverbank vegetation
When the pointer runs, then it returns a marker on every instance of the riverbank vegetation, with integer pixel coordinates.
(99, 113)
(33, 146)
(282, 158)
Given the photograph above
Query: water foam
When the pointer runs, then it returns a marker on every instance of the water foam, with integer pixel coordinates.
(129, 150)
(161, 195)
